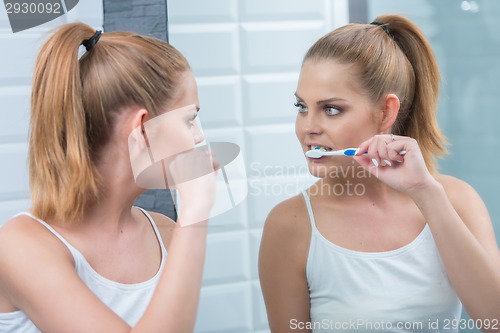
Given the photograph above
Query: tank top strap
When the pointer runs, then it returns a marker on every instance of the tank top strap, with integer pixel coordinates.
(72, 249)
(52, 230)
(155, 228)
(309, 209)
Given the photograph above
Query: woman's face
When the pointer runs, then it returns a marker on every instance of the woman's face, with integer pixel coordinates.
(162, 138)
(184, 123)
(333, 113)
(176, 130)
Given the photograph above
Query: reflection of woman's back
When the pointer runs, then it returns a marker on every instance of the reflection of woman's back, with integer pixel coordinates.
(84, 259)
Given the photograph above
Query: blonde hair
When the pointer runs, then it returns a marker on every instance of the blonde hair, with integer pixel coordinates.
(392, 55)
(74, 103)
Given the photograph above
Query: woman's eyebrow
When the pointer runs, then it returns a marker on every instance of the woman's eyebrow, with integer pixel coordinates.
(324, 101)
(329, 100)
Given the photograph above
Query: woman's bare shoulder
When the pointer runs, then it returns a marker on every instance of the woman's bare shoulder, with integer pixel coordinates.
(26, 248)
(22, 233)
(289, 209)
(23, 228)
(36, 266)
(470, 207)
(289, 220)
(461, 194)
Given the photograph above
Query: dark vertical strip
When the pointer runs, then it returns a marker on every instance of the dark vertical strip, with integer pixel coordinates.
(147, 17)
(228, 187)
(358, 11)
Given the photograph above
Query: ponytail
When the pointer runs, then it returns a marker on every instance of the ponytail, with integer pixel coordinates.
(74, 104)
(392, 55)
(62, 177)
(420, 121)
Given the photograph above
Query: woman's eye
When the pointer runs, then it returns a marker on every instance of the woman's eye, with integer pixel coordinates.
(300, 107)
(190, 121)
(332, 110)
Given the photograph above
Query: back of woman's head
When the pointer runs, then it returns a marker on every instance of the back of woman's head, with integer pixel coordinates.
(74, 104)
(391, 55)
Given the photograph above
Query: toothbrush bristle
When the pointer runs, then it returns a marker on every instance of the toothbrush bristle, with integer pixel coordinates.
(314, 153)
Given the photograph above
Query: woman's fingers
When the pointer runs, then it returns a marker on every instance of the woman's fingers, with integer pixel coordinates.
(384, 150)
(369, 146)
(377, 150)
(363, 147)
(397, 150)
(390, 150)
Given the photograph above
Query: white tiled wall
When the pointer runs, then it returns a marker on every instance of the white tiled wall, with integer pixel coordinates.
(17, 56)
(246, 55)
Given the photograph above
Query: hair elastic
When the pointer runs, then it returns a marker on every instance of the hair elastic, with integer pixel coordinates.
(89, 43)
(384, 27)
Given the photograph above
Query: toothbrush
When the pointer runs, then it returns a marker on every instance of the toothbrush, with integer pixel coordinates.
(316, 153)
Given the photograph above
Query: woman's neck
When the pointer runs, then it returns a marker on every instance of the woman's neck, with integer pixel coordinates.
(354, 186)
(113, 209)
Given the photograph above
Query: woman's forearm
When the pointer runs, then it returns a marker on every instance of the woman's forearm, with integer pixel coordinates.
(473, 272)
(174, 305)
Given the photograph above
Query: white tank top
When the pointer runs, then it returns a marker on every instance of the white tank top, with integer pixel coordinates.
(404, 290)
(129, 301)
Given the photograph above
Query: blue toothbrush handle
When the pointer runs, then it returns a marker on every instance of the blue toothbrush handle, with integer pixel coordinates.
(352, 152)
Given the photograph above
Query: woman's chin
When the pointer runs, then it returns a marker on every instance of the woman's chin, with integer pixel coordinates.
(332, 168)
(319, 171)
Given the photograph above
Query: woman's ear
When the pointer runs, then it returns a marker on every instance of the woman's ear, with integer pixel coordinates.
(390, 113)
(138, 117)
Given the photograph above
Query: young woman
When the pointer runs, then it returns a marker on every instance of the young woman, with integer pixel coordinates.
(83, 259)
(382, 242)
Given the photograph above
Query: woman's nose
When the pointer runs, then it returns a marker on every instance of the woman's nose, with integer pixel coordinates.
(311, 123)
(197, 133)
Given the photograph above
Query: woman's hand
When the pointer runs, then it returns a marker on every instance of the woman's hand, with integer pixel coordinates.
(193, 175)
(395, 160)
